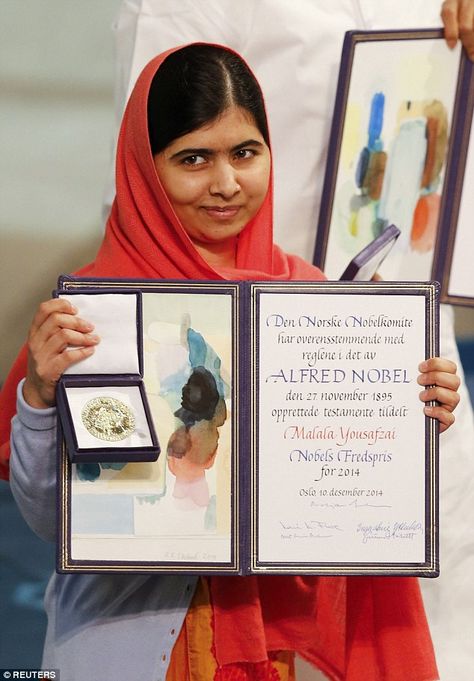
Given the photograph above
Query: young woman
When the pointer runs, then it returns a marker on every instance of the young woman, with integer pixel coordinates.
(194, 201)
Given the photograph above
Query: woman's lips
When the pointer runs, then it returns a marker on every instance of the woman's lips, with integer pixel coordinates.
(222, 212)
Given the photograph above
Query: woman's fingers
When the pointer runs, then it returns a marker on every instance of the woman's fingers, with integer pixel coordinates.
(466, 25)
(61, 350)
(64, 338)
(441, 383)
(439, 371)
(458, 20)
(449, 15)
(39, 389)
(445, 418)
(440, 378)
(57, 364)
(48, 308)
(448, 399)
(58, 338)
(43, 327)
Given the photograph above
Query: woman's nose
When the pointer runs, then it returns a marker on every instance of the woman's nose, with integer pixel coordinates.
(224, 181)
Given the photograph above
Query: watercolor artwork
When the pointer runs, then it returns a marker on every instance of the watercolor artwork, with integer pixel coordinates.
(179, 507)
(390, 146)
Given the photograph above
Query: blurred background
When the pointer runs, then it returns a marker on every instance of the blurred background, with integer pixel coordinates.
(57, 125)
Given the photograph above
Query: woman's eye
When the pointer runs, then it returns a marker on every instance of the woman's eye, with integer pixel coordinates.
(245, 153)
(194, 160)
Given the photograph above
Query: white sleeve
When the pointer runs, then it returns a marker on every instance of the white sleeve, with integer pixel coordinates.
(406, 14)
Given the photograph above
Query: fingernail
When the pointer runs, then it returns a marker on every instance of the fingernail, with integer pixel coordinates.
(423, 366)
(93, 337)
(428, 411)
(74, 309)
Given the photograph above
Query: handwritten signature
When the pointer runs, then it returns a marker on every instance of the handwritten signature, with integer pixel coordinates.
(309, 529)
(351, 504)
(385, 530)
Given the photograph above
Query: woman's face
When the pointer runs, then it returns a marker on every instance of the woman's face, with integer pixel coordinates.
(216, 177)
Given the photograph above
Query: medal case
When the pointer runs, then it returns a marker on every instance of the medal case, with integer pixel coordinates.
(102, 402)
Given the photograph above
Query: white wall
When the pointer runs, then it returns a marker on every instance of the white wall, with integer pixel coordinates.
(56, 112)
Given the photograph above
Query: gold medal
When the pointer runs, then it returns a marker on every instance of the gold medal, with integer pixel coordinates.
(107, 418)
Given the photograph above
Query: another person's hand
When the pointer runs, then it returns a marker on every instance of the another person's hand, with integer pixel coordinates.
(458, 21)
(54, 330)
(441, 382)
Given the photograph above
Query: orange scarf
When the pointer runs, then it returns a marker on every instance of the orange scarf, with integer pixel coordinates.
(354, 629)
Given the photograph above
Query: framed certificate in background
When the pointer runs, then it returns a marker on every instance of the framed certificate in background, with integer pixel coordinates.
(292, 436)
(456, 247)
(400, 123)
(365, 264)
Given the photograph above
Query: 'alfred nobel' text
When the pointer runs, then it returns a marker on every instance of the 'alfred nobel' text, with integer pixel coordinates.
(329, 375)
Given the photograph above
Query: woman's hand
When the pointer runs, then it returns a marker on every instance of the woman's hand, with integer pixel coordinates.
(458, 20)
(441, 381)
(54, 331)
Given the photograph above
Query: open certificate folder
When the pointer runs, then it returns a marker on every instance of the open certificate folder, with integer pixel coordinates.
(291, 432)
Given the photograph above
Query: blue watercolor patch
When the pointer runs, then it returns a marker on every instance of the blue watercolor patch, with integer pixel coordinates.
(376, 121)
(102, 514)
(210, 519)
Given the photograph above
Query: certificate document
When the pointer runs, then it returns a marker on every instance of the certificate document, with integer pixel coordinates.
(340, 473)
(293, 439)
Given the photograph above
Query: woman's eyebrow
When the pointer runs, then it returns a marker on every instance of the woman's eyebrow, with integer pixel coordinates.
(197, 151)
(192, 151)
(247, 143)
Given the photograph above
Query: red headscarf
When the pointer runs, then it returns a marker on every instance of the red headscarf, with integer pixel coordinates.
(354, 629)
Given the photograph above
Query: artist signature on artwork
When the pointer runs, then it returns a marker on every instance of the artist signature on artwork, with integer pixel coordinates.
(309, 529)
(389, 531)
(189, 555)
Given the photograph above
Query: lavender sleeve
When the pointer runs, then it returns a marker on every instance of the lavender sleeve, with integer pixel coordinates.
(33, 466)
